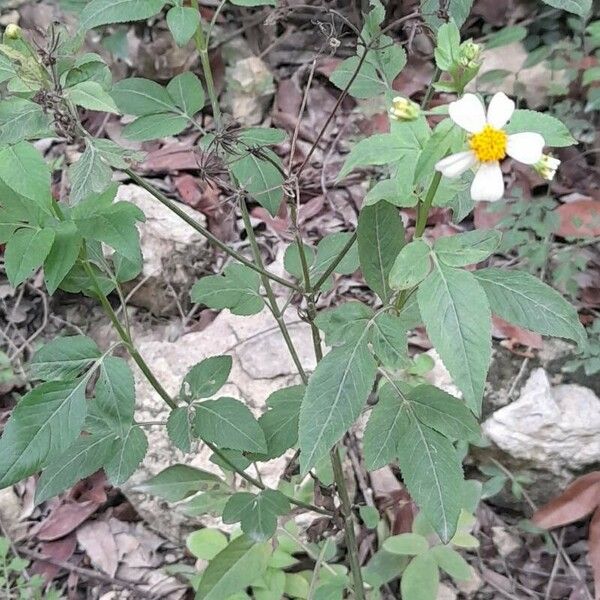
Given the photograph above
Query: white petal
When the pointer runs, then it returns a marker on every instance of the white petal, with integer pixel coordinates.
(500, 110)
(488, 185)
(525, 147)
(456, 164)
(468, 113)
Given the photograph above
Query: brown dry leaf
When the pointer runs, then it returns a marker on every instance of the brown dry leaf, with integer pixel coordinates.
(579, 219)
(65, 518)
(594, 550)
(171, 157)
(515, 335)
(97, 539)
(576, 502)
(60, 550)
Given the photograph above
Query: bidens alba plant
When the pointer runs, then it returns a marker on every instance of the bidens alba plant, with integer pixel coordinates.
(80, 415)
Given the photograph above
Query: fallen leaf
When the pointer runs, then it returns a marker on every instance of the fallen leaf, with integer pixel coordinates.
(60, 550)
(66, 518)
(577, 501)
(594, 550)
(171, 157)
(98, 542)
(515, 335)
(579, 219)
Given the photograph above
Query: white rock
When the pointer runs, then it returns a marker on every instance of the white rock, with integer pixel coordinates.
(170, 247)
(505, 542)
(261, 365)
(554, 429)
(445, 592)
(440, 377)
(471, 586)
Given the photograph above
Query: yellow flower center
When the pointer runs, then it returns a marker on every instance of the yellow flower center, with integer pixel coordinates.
(489, 144)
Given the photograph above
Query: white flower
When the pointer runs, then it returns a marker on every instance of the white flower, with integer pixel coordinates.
(489, 144)
(546, 167)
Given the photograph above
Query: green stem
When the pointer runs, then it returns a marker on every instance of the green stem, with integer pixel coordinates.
(201, 42)
(215, 241)
(425, 206)
(346, 506)
(427, 97)
(271, 299)
(335, 263)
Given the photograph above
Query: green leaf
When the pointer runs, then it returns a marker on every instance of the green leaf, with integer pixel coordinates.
(115, 394)
(452, 562)
(524, 300)
(253, 2)
(448, 46)
(237, 289)
(444, 413)
(579, 7)
(89, 175)
(228, 423)
(25, 252)
(261, 136)
(115, 155)
(103, 12)
(411, 266)
(206, 378)
(458, 11)
(152, 127)
(179, 429)
(21, 119)
(83, 458)
(139, 97)
(366, 84)
(505, 36)
(7, 69)
(206, 543)
(260, 178)
(421, 578)
(64, 358)
(445, 137)
(63, 254)
(292, 261)
(336, 393)
(128, 453)
(406, 543)
(383, 567)
(457, 317)
(236, 567)
(178, 482)
(91, 95)
(183, 22)
(380, 239)
(42, 425)
(370, 516)
(328, 250)
(388, 336)
(186, 91)
(554, 132)
(467, 248)
(23, 170)
(345, 322)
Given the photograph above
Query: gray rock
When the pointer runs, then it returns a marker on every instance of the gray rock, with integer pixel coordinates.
(174, 253)
(261, 365)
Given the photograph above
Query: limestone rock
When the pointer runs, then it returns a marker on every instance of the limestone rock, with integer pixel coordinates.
(173, 252)
(261, 365)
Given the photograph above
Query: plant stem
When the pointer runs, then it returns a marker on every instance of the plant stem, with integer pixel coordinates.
(137, 357)
(201, 42)
(335, 263)
(215, 241)
(271, 299)
(427, 97)
(338, 474)
(425, 206)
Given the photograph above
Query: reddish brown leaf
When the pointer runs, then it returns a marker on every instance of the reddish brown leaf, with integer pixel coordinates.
(171, 157)
(515, 335)
(576, 502)
(579, 219)
(60, 550)
(65, 519)
(594, 550)
(91, 488)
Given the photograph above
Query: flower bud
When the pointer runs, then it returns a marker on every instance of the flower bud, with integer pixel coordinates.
(13, 32)
(546, 167)
(469, 54)
(404, 109)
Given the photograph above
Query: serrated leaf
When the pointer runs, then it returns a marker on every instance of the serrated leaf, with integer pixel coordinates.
(206, 378)
(83, 458)
(137, 96)
(25, 252)
(554, 132)
(103, 12)
(152, 127)
(115, 394)
(237, 289)
(389, 340)
(505, 36)
(448, 43)
(42, 425)
(411, 266)
(63, 254)
(458, 11)
(64, 358)
(179, 429)
(345, 322)
(457, 318)
(89, 175)
(91, 95)
(336, 393)
(187, 92)
(128, 452)
(467, 248)
(236, 567)
(524, 300)
(579, 7)
(228, 423)
(23, 170)
(261, 136)
(183, 22)
(328, 250)
(178, 482)
(21, 119)
(366, 84)
(115, 155)
(380, 237)
(421, 578)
